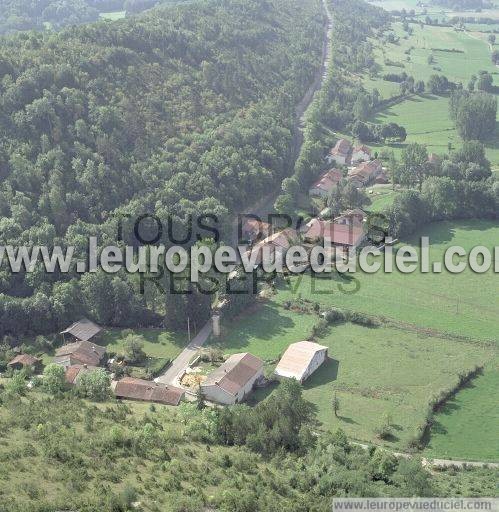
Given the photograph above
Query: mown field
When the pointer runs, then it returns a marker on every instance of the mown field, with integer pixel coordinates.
(463, 304)
(467, 426)
(374, 371)
(457, 55)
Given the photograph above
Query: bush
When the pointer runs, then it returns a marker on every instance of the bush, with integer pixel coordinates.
(334, 316)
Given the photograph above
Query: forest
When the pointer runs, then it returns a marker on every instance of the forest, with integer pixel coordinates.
(177, 112)
(20, 15)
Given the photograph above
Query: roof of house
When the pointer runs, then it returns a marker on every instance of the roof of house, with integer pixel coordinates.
(328, 180)
(235, 373)
(74, 371)
(82, 352)
(341, 234)
(25, 360)
(297, 358)
(83, 330)
(342, 147)
(362, 148)
(149, 391)
(365, 170)
(256, 225)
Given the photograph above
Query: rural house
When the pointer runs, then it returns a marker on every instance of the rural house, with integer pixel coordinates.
(300, 360)
(326, 183)
(233, 380)
(276, 244)
(254, 229)
(79, 352)
(83, 330)
(74, 372)
(340, 153)
(25, 361)
(346, 236)
(146, 391)
(361, 154)
(365, 173)
(351, 217)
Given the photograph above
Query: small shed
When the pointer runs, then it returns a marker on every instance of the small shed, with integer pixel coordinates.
(25, 361)
(300, 360)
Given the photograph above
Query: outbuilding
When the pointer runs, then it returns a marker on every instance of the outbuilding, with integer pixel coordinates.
(300, 360)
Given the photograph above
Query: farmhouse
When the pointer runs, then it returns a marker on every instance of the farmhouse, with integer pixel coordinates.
(79, 352)
(147, 391)
(300, 360)
(233, 380)
(365, 173)
(254, 229)
(326, 183)
(83, 330)
(276, 244)
(351, 217)
(25, 361)
(361, 154)
(74, 372)
(347, 236)
(340, 153)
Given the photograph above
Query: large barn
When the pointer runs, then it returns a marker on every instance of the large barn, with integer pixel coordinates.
(233, 380)
(300, 360)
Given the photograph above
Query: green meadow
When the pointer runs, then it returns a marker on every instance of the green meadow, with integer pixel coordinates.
(375, 372)
(463, 304)
(466, 428)
(458, 55)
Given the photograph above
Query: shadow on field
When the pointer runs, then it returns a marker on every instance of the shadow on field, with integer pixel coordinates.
(326, 374)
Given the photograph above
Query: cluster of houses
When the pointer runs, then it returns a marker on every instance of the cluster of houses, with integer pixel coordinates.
(80, 354)
(229, 384)
(363, 170)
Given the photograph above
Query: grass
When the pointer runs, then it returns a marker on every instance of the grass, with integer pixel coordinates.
(464, 304)
(426, 117)
(381, 197)
(266, 332)
(377, 371)
(385, 371)
(157, 342)
(112, 16)
(466, 428)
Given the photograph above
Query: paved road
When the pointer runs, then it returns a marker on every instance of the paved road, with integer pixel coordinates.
(180, 364)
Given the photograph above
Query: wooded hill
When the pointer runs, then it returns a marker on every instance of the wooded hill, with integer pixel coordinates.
(177, 111)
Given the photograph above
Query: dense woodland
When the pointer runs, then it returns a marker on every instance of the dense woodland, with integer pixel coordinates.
(19, 15)
(177, 112)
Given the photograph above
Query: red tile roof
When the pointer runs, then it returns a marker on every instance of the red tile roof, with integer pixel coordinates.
(328, 180)
(342, 147)
(148, 391)
(81, 352)
(340, 234)
(74, 371)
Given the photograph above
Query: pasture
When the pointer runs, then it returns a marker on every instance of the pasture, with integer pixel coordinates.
(466, 428)
(374, 371)
(456, 54)
(464, 304)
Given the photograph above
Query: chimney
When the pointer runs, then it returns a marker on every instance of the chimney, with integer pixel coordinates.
(215, 319)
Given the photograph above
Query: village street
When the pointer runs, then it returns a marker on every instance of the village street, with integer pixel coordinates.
(181, 362)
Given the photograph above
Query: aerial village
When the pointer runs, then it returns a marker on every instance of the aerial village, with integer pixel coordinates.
(232, 378)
